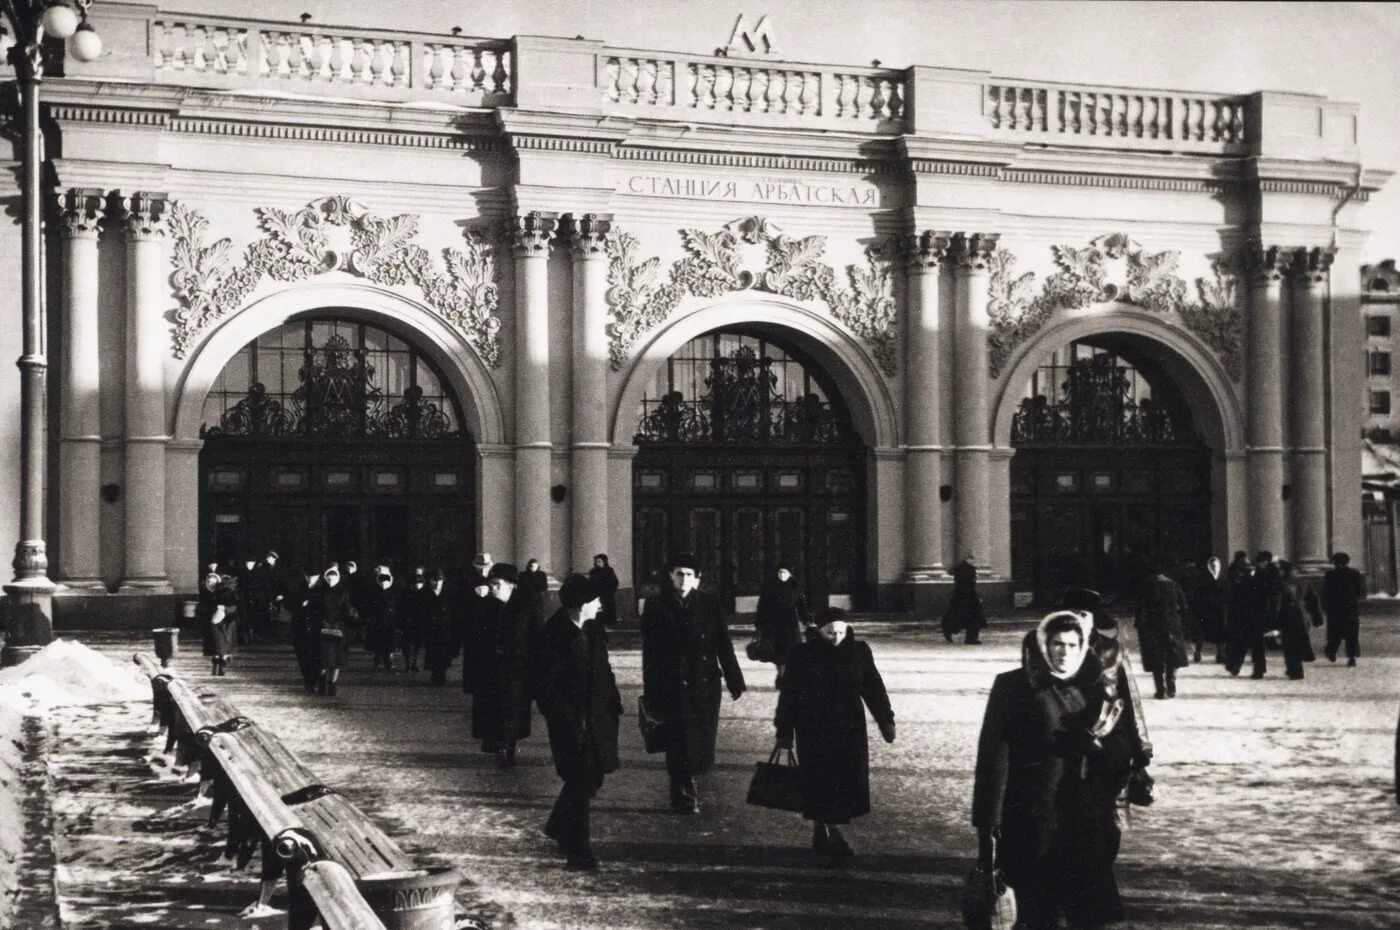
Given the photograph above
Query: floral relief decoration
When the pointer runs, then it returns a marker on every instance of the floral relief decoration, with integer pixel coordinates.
(725, 261)
(1112, 268)
(210, 284)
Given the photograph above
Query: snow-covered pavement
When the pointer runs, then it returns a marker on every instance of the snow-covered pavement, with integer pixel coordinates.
(1275, 802)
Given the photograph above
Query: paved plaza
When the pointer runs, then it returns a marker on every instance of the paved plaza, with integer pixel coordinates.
(1275, 802)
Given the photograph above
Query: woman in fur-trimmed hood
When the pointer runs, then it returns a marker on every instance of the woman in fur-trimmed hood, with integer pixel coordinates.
(1041, 741)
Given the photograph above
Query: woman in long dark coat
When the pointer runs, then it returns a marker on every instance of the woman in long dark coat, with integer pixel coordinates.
(602, 575)
(580, 702)
(532, 586)
(1042, 741)
(1296, 608)
(437, 618)
(337, 617)
(964, 611)
(379, 607)
(304, 602)
(782, 616)
(217, 613)
(830, 682)
(1209, 603)
(411, 604)
(1161, 614)
(501, 655)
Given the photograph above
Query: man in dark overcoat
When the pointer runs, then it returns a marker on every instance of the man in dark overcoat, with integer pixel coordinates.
(501, 656)
(1297, 605)
(264, 592)
(1341, 598)
(580, 702)
(686, 657)
(1161, 617)
(532, 587)
(964, 613)
(605, 578)
(437, 618)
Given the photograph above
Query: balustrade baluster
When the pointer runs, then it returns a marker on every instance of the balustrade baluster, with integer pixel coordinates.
(337, 62)
(666, 83)
(296, 56)
(612, 71)
(1221, 124)
(846, 95)
(758, 90)
(358, 60)
(461, 67)
(777, 81)
(1023, 109)
(994, 100)
(896, 100)
(707, 87)
(724, 87)
(628, 85)
(1151, 106)
(1037, 111)
(478, 69)
(792, 93)
(743, 79)
(646, 83)
(401, 68)
(811, 94)
(1135, 117)
(1237, 122)
(500, 77)
(433, 69)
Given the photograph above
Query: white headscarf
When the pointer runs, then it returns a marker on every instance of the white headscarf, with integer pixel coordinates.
(1086, 627)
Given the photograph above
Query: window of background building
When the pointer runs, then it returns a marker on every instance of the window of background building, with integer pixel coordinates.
(1377, 325)
(1378, 363)
(1380, 402)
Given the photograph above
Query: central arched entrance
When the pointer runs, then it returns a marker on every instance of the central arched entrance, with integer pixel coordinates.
(1111, 472)
(747, 457)
(334, 438)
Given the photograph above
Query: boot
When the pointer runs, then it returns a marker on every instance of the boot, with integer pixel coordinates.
(331, 688)
(821, 838)
(214, 666)
(838, 848)
(321, 685)
(510, 756)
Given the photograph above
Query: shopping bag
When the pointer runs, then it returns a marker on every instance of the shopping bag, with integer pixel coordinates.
(655, 731)
(988, 902)
(761, 650)
(777, 784)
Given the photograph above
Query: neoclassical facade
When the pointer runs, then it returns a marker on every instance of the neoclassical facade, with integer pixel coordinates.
(394, 296)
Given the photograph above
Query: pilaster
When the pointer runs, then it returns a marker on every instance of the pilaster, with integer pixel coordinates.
(1311, 269)
(1268, 267)
(533, 234)
(971, 433)
(923, 428)
(588, 448)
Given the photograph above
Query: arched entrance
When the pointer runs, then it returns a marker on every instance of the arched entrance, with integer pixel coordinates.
(1110, 473)
(747, 457)
(334, 438)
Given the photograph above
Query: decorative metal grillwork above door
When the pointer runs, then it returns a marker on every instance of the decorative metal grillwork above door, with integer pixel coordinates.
(1084, 395)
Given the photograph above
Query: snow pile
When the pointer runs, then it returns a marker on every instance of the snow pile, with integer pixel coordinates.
(11, 821)
(67, 672)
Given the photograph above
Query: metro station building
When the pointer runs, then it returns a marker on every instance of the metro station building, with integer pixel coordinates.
(385, 295)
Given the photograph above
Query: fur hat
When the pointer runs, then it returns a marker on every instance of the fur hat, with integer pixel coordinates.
(683, 560)
(578, 590)
(483, 560)
(505, 572)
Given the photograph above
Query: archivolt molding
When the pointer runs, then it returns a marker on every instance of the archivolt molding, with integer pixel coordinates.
(332, 234)
(1113, 268)
(751, 254)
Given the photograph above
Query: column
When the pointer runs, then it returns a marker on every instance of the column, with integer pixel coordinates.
(1310, 271)
(971, 433)
(147, 339)
(1264, 425)
(588, 448)
(922, 425)
(533, 448)
(80, 440)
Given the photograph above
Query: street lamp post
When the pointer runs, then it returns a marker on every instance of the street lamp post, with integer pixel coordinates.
(30, 595)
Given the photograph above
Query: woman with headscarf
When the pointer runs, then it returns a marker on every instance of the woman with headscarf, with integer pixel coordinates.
(1034, 799)
(602, 575)
(379, 607)
(306, 627)
(336, 614)
(1209, 603)
(782, 617)
(411, 604)
(829, 683)
(501, 654)
(216, 614)
(437, 616)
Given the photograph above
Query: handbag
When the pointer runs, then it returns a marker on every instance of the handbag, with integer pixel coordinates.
(988, 902)
(761, 650)
(1140, 784)
(655, 731)
(777, 784)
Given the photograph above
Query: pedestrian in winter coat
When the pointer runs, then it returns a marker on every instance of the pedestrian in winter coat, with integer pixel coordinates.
(437, 618)
(306, 628)
(1297, 607)
(475, 605)
(1187, 575)
(411, 604)
(782, 616)
(581, 705)
(532, 585)
(502, 658)
(686, 658)
(1341, 598)
(1209, 604)
(379, 610)
(245, 585)
(1239, 611)
(1160, 615)
(964, 611)
(1042, 740)
(605, 578)
(217, 613)
(263, 594)
(829, 683)
(1117, 678)
(336, 618)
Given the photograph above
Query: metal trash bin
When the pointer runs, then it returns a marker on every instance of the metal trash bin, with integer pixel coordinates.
(167, 643)
(422, 899)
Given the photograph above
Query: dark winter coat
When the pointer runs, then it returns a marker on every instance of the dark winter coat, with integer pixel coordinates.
(1033, 784)
(1342, 590)
(782, 616)
(219, 638)
(1128, 743)
(686, 657)
(1239, 598)
(336, 619)
(437, 618)
(825, 692)
(964, 606)
(263, 586)
(532, 588)
(1209, 603)
(501, 663)
(411, 604)
(579, 699)
(1161, 634)
(1296, 606)
(1264, 597)
(380, 613)
(606, 580)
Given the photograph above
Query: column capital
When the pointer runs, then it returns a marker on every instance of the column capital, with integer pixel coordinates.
(533, 232)
(973, 251)
(80, 210)
(926, 250)
(1312, 265)
(587, 233)
(1268, 264)
(144, 214)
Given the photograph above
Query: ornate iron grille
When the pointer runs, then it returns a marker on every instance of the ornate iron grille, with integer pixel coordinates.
(1097, 399)
(330, 379)
(742, 390)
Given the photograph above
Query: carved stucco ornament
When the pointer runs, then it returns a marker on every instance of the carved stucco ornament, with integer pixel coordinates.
(750, 253)
(1112, 268)
(331, 234)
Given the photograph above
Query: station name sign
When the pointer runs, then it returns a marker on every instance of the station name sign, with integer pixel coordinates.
(753, 190)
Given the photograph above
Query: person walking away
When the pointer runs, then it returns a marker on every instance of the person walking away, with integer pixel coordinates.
(1209, 604)
(380, 611)
(1295, 607)
(830, 681)
(581, 705)
(337, 616)
(1341, 599)
(1264, 604)
(216, 614)
(245, 585)
(1239, 610)
(475, 606)
(1041, 742)
(687, 657)
(306, 629)
(605, 578)
(1188, 576)
(964, 611)
(502, 655)
(437, 616)
(411, 605)
(264, 593)
(1160, 615)
(532, 585)
(782, 616)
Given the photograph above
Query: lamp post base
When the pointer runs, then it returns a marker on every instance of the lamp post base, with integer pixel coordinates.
(30, 606)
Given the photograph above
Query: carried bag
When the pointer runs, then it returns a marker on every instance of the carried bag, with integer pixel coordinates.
(777, 784)
(761, 650)
(655, 731)
(988, 902)
(1140, 784)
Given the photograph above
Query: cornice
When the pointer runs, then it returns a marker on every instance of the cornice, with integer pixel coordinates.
(767, 162)
(335, 135)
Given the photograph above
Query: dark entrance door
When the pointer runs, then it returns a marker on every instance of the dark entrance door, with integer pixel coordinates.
(330, 440)
(1109, 476)
(747, 458)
